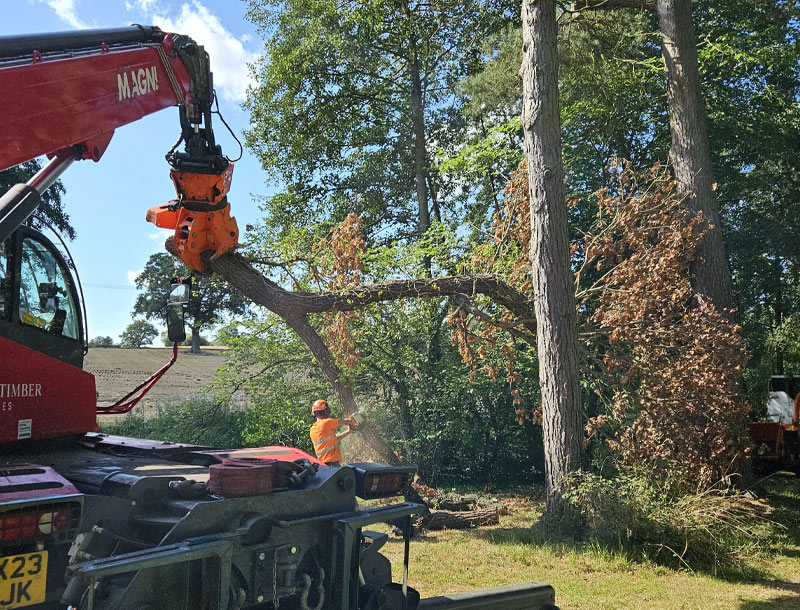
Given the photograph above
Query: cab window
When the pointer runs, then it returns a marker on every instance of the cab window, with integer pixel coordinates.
(5, 280)
(45, 299)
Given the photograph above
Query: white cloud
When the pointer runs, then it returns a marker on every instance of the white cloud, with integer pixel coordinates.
(160, 236)
(229, 58)
(132, 275)
(141, 5)
(66, 10)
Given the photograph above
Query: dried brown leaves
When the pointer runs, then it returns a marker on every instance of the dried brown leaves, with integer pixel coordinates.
(486, 342)
(341, 267)
(668, 365)
(672, 362)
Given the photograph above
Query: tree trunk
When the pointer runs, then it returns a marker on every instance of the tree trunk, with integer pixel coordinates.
(195, 349)
(779, 359)
(469, 502)
(418, 123)
(420, 152)
(690, 152)
(241, 274)
(552, 278)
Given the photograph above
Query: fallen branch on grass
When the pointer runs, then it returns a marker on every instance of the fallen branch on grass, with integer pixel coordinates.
(445, 519)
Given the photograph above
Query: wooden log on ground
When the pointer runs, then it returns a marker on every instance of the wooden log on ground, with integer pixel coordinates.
(458, 502)
(455, 502)
(443, 519)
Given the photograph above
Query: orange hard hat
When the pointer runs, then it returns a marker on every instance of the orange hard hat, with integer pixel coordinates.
(319, 406)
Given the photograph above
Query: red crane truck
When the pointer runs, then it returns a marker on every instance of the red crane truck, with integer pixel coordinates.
(97, 522)
(776, 441)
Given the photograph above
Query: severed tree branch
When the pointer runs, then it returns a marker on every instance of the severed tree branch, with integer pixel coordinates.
(241, 274)
(294, 307)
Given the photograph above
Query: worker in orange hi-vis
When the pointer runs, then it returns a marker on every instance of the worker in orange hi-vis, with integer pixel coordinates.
(324, 435)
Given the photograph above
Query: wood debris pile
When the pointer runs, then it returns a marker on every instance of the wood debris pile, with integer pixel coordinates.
(454, 511)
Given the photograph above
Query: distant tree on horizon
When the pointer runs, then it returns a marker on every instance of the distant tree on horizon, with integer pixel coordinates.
(101, 341)
(139, 333)
(187, 343)
(210, 297)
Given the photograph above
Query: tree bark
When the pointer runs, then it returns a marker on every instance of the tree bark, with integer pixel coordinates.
(418, 124)
(777, 289)
(554, 301)
(241, 274)
(690, 152)
(420, 144)
(195, 349)
(469, 502)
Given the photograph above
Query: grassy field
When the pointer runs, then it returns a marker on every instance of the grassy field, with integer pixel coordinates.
(589, 577)
(117, 371)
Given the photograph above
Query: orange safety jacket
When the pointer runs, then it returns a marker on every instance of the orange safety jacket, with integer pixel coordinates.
(326, 445)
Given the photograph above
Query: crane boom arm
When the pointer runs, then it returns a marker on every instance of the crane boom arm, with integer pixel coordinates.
(67, 92)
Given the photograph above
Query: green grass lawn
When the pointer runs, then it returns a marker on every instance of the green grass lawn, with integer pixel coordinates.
(589, 577)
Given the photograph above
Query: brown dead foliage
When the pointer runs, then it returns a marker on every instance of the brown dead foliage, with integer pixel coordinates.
(666, 364)
(670, 364)
(341, 255)
(484, 339)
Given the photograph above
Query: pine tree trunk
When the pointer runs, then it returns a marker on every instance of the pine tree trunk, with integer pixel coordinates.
(420, 152)
(777, 267)
(690, 151)
(418, 124)
(423, 218)
(552, 277)
(690, 154)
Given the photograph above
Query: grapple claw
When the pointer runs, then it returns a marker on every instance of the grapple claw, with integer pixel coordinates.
(200, 216)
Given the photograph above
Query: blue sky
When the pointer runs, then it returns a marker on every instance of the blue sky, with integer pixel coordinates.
(107, 200)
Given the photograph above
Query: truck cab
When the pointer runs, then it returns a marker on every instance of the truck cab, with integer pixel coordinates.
(39, 301)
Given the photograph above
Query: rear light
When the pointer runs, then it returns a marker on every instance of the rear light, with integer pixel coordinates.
(382, 483)
(17, 528)
(380, 480)
(36, 522)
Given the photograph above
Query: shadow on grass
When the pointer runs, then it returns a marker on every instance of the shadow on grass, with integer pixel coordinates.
(782, 602)
(783, 585)
(562, 545)
(510, 535)
(782, 492)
